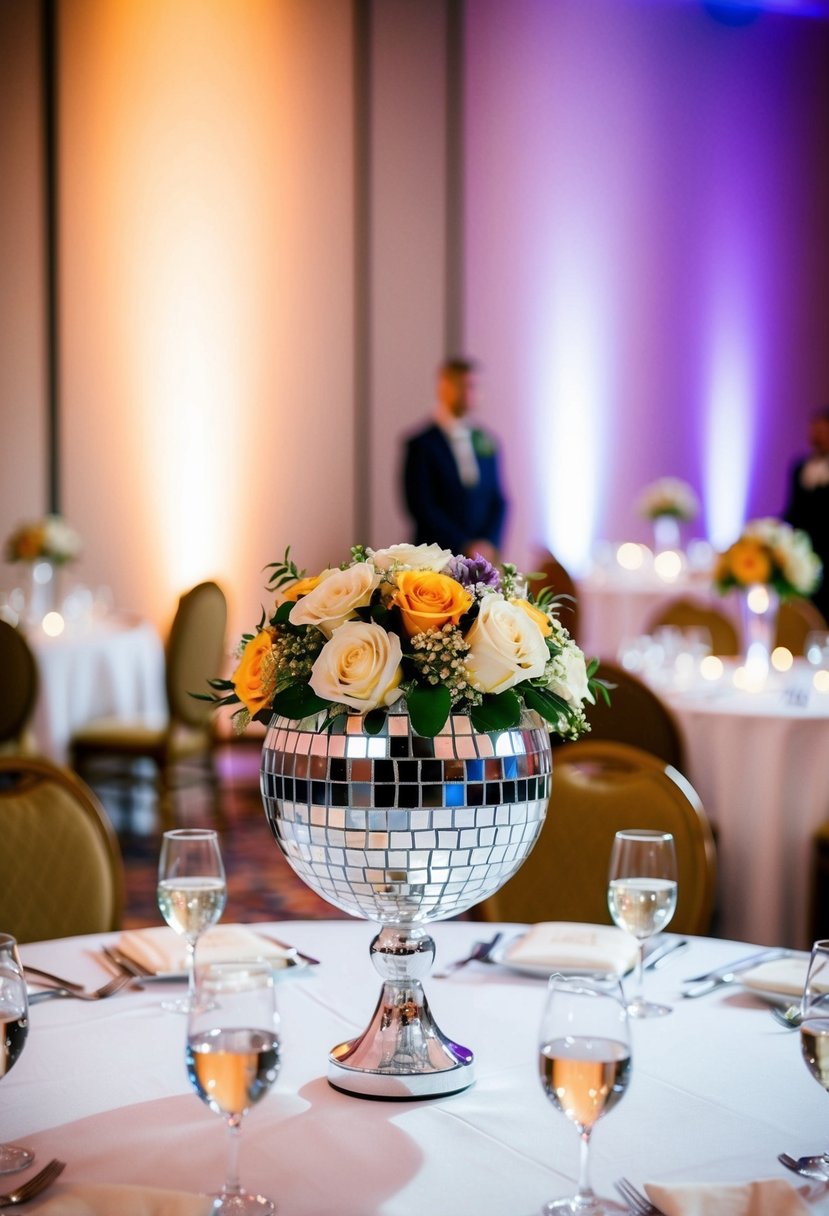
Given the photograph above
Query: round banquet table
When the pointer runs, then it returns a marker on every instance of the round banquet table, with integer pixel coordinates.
(718, 1089)
(114, 666)
(760, 763)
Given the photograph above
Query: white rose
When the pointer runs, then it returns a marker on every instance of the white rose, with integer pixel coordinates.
(411, 557)
(800, 568)
(569, 680)
(506, 646)
(359, 667)
(335, 599)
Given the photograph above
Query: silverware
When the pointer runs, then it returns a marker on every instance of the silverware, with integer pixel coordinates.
(816, 1166)
(790, 1017)
(480, 953)
(52, 979)
(292, 950)
(34, 1185)
(637, 1203)
(124, 965)
(701, 985)
(662, 951)
(95, 994)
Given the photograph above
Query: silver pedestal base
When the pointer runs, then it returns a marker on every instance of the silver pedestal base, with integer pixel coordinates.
(402, 1054)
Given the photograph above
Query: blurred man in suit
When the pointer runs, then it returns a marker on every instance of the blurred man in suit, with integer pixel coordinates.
(451, 479)
(808, 504)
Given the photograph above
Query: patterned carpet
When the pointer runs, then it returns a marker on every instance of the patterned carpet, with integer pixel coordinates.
(261, 884)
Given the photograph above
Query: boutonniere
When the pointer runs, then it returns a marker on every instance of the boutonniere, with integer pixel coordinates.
(482, 445)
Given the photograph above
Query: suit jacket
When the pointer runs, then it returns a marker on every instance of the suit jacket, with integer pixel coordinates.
(444, 510)
(809, 510)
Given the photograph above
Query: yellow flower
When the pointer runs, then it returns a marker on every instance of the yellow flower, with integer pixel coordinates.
(301, 587)
(254, 680)
(535, 614)
(429, 601)
(749, 562)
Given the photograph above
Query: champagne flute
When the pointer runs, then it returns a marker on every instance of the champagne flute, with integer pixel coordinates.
(191, 893)
(814, 1010)
(642, 896)
(584, 1062)
(233, 1052)
(14, 1025)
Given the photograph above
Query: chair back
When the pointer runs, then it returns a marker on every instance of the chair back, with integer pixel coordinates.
(195, 649)
(796, 619)
(688, 613)
(560, 582)
(18, 692)
(636, 716)
(600, 788)
(61, 872)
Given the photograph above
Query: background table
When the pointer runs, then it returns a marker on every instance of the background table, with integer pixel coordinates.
(760, 763)
(111, 666)
(718, 1089)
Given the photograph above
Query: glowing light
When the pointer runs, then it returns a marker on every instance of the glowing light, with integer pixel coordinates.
(52, 624)
(781, 658)
(711, 668)
(630, 556)
(758, 599)
(821, 681)
(668, 565)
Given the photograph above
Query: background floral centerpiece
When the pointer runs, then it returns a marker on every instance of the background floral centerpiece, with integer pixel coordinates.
(669, 496)
(769, 553)
(48, 539)
(415, 626)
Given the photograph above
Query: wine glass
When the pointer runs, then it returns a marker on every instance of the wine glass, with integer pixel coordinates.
(14, 1025)
(584, 1062)
(814, 1010)
(191, 893)
(642, 896)
(233, 1054)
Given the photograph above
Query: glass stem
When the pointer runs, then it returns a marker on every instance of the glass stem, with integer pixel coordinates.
(231, 1186)
(640, 964)
(585, 1191)
(191, 971)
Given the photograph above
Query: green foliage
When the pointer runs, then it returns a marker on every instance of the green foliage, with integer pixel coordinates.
(428, 709)
(497, 711)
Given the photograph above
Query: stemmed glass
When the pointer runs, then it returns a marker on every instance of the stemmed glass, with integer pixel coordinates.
(191, 893)
(584, 1062)
(233, 1054)
(14, 1025)
(642, 896)
(814, 1009)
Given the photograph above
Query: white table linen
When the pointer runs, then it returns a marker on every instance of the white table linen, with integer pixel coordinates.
(718, 1089)
(112, 666)
(760, 763)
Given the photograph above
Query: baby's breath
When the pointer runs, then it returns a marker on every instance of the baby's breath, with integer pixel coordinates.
(440, 658)
(293, 655)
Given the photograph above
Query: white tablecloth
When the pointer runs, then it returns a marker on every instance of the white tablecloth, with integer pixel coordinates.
(718, 1089)
(113, 666)
(760, 763)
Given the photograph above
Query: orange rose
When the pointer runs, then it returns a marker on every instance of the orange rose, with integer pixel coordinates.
(749, 562)
(535, 614)
(254, 680)
(301, 587)
(429, 601)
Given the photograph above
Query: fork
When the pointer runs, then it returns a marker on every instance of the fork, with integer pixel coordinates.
(52, 979)
(34, 1185)
(96, 994)
(637, 1203)
(808, 1167)
(479, 953)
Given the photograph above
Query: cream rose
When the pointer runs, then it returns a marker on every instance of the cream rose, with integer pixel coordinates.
(411, 557)
(506, 646)
(335, 598)
(359, 666)
(570, 679)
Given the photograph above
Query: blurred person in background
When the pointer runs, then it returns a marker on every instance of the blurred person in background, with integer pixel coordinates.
(808, 501)
(451, 477)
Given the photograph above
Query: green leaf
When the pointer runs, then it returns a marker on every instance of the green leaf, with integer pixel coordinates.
(298, 701)
(428, 709)
(497, 711)
(374, 721)
(551, 707)
(280, 617)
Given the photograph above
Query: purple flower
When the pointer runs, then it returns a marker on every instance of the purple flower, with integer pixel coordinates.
(469, 571)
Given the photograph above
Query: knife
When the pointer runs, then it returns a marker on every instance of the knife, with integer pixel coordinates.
(662, 950)
(699, 985)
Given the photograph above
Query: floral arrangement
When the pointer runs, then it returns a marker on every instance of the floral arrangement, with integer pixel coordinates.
(773, 553)
(50, 539)
(669, 496)
(410, 624)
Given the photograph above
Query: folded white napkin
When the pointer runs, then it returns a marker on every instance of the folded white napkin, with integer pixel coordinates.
(784, 975)
(162, 951)
(769, 1197)
(86, 1199)
(566, 944)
